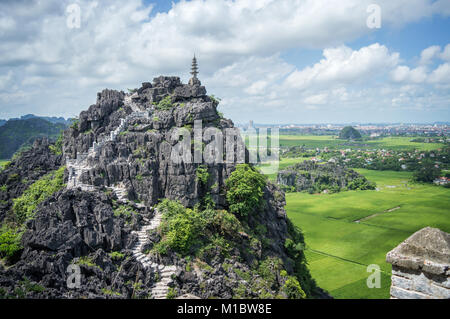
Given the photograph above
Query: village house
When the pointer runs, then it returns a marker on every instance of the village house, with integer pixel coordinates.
(442, 180)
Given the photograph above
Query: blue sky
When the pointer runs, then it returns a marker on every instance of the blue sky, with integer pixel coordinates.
(271, 61)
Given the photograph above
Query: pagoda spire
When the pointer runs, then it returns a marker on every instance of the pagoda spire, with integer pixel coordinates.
(194, 69)
(194, 81)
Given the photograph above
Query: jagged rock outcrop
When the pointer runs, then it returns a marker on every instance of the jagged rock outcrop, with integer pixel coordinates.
(25, 169)
(69, 225)
(139, 156)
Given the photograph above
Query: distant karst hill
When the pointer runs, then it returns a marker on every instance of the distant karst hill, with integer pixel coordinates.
(317, 178)
(16, 133)
(349, 133)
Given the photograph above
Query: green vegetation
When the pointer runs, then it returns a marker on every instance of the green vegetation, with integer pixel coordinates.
(4, 164)
(23, 287)
(427, 173)
(57, 148)
(181, 227)
(116, 255)
(202, 174)
(31, 287)
(201, 235)
(347, 231)
(395, 160)
(75, 124)
(172, 293)
(10, 240)
(165, 104)
(18, 133)
(37, 192)
(245, 190)
(215, 99)
(292, 289)
(349, 133)
(124, 211)
(87, 261)
(110, 292)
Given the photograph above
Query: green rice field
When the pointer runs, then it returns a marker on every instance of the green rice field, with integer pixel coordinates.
(347, 231)
(394, 143)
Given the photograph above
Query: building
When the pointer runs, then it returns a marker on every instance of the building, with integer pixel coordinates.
(441, 181)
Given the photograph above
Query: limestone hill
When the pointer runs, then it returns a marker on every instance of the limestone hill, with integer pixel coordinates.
(326, 177)
(131, 222)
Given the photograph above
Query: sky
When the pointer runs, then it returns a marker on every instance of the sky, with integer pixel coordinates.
(270, 61)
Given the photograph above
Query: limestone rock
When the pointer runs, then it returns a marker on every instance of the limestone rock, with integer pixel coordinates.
(427, 249)
(421, 266)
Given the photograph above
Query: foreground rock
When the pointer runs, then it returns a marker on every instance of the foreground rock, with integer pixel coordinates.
(421, 266)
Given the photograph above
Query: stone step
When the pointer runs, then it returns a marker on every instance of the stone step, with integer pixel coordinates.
(166, 272)
(162, 290)
(140, 258)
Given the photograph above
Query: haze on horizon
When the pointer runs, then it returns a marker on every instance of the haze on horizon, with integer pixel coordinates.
(282, 61)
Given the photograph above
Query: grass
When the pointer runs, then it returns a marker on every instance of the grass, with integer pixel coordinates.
(339, 249)
(393, 143)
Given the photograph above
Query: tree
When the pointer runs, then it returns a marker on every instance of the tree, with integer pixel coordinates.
(427, 173)
(245, 189)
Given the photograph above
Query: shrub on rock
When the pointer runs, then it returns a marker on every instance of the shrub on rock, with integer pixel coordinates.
(245, 189)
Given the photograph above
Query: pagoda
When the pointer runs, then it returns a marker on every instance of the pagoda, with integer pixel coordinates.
(194, 71)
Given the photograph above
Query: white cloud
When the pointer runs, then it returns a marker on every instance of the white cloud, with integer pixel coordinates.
(344, 65)
(429, 54)
(5, 80)
(57, 70)
(441, 74)
(445, 55)
(405, 74)
(316, 99)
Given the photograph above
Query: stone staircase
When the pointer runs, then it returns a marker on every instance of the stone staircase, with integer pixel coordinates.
(159, 289)
(77, 166)
(121, 192)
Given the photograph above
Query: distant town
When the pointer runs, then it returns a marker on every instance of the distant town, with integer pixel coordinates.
(441, 129)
